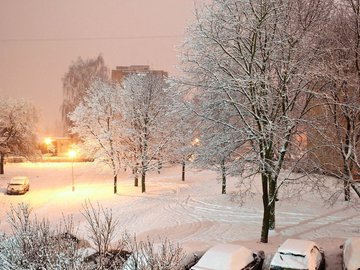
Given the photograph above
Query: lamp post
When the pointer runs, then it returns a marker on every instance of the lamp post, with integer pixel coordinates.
(72, 154)
(48, 141)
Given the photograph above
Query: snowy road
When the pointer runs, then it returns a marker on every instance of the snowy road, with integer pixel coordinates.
(193, 212)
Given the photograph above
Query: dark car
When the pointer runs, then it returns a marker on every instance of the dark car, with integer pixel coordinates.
(296, 254)
(230, 257)
(18, 185)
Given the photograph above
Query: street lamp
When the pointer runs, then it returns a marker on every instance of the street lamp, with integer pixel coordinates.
(72, 154)
(48, 141)
(195, 142)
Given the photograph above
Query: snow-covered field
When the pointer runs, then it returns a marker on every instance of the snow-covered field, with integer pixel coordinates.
(193, 213)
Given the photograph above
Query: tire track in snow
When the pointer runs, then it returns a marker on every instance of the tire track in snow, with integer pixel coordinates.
(189, 224)
(316, 226)
(230, 221)
(195, 220)
(224, 213)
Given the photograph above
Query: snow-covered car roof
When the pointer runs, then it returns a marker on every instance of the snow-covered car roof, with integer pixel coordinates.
(293, 253)
(297, 246)
(19, 180)
(225, 257)
(351, 253)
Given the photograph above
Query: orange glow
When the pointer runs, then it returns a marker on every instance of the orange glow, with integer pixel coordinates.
(48, 141)
(72, 153)
(195, 142)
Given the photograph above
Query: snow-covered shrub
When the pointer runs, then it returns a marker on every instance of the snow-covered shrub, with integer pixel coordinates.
(145, 255)
(128, 254)
(113, 259)
(4, 261)
(35, 245)
(101, 231)
(101, 226)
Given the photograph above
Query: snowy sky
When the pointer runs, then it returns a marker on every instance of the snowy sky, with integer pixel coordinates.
(39, 39)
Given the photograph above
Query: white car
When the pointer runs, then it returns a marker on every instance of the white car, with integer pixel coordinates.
(230, 257)
(296, 254)
(351, 254)
(18, 185)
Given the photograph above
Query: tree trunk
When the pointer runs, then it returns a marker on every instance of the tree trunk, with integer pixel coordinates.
(266, 215)
(346, 183)
(347, 168)
(143, 174)
(347, 190)
(183, 171)
(272, 197)
(136, 180)
(2, 163)
(136, 176)
(144, 158)
(223, 174)
(159, 166)
(115, 184)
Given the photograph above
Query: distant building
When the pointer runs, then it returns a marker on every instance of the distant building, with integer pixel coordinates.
(56, 146)
(118, 74)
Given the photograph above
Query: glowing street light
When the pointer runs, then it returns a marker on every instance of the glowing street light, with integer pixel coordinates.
(195, 142)
(48, 141)
(72, 154)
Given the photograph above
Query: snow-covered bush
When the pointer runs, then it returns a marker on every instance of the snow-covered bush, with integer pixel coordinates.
(35, 245)
(101, 229)
(145, 255)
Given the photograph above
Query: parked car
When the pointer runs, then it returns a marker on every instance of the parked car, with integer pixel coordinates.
(296, 254)
(18, 185)
(351, 254)
(230, 257)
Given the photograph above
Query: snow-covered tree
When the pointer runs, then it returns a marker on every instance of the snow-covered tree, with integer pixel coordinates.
(185, 132)
(18, 119)
(252, 59)
(77, 80)
(98, 122)
(339, 100)
(214, 149)
(184, 141)
(148, 111)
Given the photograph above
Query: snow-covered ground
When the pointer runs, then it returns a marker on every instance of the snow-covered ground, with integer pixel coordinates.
(193, 213)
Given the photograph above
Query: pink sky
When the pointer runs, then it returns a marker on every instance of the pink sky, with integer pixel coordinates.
(39, 39)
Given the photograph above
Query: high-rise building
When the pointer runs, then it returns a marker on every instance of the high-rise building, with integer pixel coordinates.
(118, 74)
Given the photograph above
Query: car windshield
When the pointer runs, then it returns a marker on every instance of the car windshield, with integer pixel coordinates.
(17, 181)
